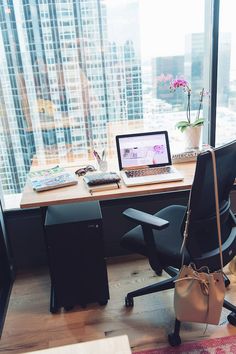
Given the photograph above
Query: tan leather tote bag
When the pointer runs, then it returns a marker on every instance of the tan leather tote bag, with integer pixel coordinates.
(199, 294)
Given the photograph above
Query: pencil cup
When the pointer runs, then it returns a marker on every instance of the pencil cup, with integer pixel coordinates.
(102, 165)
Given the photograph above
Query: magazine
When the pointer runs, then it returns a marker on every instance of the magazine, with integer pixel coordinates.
(51, 178)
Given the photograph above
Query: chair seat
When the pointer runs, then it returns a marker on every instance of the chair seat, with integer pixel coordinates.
(168, 241)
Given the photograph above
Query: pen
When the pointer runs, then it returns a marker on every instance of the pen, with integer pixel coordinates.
(97, 157)
(103, 155)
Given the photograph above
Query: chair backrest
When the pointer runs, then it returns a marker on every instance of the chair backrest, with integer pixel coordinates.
(202, 224)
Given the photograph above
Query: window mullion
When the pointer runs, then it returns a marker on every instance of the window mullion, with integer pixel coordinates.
(213, 72)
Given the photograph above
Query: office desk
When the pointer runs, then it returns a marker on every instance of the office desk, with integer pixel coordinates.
(79, 193)
(56, 243)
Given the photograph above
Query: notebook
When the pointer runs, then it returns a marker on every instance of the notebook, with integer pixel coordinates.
(145, 158)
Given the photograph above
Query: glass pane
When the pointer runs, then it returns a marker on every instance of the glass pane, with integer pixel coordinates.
(226, 86)
(173, 46)
(76, 73)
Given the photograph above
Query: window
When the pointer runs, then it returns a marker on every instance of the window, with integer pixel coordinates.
(226, 85)
(122, 55)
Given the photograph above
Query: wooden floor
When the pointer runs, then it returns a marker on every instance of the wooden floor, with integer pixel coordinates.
(30, 326)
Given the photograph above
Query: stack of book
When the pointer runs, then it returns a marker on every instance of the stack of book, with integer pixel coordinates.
(51, 178)
(96, 182)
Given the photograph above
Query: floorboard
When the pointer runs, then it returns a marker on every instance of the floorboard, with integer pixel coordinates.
(30, 326)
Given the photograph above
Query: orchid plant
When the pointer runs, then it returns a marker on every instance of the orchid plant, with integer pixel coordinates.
(183, 124)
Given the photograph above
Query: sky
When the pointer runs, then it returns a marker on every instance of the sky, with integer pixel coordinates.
(161, 25)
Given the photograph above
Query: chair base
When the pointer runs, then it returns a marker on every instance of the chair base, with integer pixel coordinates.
(232, 318)
(227, 281)
(174, 338)
(154, 288)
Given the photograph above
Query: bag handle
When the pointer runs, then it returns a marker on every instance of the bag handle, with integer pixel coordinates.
(217, 212)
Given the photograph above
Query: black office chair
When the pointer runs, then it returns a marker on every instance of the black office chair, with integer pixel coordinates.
(159, 237)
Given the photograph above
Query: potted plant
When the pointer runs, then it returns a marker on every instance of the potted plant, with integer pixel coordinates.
(191, 128)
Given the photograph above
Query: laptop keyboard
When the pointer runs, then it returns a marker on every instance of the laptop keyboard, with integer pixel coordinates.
(149, 171)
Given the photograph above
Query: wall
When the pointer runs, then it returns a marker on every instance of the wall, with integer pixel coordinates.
(25, 231)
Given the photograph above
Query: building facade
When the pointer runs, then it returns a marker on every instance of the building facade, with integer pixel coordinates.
(62, 80)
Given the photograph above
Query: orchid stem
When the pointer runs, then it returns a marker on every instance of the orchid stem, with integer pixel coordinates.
(200, 104)
(188, 108)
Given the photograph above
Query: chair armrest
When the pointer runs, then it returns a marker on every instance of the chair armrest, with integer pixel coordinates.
(146, 219)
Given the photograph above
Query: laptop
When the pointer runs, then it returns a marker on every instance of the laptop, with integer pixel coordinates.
(145, 158)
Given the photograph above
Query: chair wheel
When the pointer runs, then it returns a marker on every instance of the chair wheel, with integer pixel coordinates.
(129, 301)
(174, 339)
(232, 318)
(227, 281)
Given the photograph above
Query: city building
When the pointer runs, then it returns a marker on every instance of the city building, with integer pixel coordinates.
(63, 78)
(165, 69)
(194, 66)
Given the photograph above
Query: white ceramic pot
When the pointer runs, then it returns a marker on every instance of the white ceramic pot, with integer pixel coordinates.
(192, 136)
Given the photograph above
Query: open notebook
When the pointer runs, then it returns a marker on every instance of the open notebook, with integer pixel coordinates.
(145, 158)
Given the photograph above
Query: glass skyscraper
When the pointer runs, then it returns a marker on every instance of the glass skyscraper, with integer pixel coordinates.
(63, 79)
(72, 77)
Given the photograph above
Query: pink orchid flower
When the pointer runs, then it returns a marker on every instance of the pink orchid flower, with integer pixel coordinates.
(180, 83)
(184, 84)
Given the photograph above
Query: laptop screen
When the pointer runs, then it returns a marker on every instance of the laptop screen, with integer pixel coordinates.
(143, 149)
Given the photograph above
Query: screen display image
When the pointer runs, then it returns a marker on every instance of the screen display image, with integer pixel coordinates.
(143, 150)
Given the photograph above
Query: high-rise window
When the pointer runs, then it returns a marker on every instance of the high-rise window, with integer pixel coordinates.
(226, 86)
(76, 72)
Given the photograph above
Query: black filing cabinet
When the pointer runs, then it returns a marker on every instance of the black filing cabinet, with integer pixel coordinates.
(74, 241)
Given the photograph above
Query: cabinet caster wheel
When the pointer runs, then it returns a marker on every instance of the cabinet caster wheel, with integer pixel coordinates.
(54, 310)
(232, 318)
(174, 339)
(103, 302)
(129, 302)
(68, 308)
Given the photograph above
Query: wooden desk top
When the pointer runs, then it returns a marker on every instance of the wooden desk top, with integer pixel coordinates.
(79, 193)
(112, 345)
